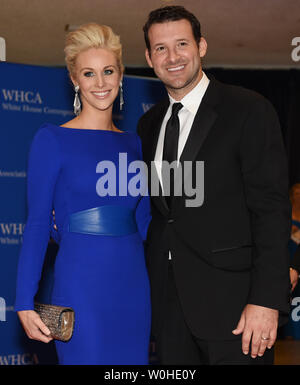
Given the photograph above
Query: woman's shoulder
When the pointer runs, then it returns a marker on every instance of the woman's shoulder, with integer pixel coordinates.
(51, 130)
(45, 149)
(46, 136)
(47, 128)
(129, 135)
(137, 140)
(133, 135)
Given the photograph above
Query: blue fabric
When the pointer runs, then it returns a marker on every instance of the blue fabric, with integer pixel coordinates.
(103, 278)
(104, 220)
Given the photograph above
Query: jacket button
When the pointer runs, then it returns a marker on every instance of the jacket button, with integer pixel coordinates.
(171, 220)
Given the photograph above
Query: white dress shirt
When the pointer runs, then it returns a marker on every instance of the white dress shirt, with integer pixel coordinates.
(191, 103)
(186, 115)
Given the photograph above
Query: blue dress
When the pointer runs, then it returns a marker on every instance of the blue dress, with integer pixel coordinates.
(102, 277)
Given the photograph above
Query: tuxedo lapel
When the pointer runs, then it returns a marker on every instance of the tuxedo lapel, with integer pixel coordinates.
(203, 122)
(156, 126)
(158, 200)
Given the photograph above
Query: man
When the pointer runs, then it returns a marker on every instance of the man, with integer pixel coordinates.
(219, 269)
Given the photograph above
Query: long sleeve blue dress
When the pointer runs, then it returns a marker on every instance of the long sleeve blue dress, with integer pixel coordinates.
(102, 277)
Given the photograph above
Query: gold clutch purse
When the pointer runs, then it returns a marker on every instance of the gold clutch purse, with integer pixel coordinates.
(59, 320)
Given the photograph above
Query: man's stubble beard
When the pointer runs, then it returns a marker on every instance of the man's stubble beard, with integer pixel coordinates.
(190, 81)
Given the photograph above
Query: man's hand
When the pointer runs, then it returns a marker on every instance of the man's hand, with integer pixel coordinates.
(294, 277)
(295, 234)
(258, 325)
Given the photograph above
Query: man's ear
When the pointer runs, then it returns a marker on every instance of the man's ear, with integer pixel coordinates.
(202, 47)
(148, 58)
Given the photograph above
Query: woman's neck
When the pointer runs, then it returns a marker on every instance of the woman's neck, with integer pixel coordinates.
(92, 119)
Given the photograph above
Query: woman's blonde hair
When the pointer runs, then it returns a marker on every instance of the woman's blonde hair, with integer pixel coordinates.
(91, 35)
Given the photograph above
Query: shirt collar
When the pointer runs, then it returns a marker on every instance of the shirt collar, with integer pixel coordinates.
(192, 100)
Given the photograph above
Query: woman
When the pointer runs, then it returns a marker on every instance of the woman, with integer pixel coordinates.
(100, 269)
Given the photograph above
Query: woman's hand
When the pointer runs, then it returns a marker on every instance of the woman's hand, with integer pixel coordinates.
(34, 326)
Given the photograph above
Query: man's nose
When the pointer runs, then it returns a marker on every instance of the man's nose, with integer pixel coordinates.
(173, 55)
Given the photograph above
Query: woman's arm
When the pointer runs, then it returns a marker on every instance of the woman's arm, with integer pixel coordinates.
(43, 169)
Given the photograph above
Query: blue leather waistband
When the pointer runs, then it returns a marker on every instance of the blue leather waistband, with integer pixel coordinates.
(104, 220)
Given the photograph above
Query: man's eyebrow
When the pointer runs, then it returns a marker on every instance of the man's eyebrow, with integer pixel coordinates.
(179, 39)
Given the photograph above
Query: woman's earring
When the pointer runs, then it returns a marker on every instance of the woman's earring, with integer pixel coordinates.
(77, 104)
(121, 96)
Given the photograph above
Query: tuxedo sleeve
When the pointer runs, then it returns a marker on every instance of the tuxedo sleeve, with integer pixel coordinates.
(265, 176)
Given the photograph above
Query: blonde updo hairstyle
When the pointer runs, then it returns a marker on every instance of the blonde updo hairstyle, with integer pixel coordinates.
(88, 36)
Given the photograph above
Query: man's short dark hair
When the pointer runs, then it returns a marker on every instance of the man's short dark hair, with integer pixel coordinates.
(171, 13)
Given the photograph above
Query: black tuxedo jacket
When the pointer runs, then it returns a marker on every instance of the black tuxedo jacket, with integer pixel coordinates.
(231, 250)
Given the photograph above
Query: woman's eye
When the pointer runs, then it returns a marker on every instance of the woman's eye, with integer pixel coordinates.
(108, 72)
(89, 74)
